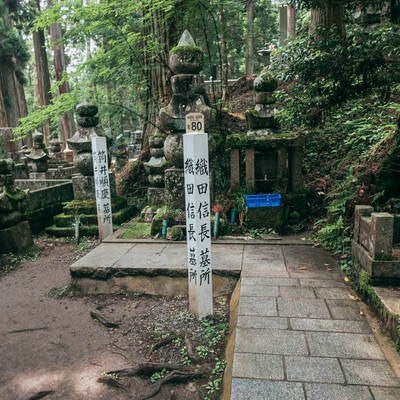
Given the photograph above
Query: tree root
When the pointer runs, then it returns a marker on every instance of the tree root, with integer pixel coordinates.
(108, 380)
(145, 369)
(40, 395)
(162, 343)
(100, 318)
(173, 376)
(191, 353)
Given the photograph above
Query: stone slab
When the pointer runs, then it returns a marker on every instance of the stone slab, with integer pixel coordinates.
(258, 366)
(254, 389)
(296, 292)
(224, 258)
(304, 308)
(344, 309)
(329, 325)
(258, 306)
(313, 369)
(369, 372)
(270, 341)
(151, 255)
(245, 321)
(344, 345)
(105, 255)
(255, 290)
(385, 393)
(316, 391)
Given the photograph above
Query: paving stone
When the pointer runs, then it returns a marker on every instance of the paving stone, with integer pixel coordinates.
(270, 341)
(320, 391)
(346, 345)
(258, 366)
(313, 274)
(314, 369)
(258, 290)
(332, 293)
(245, 321)
(258, 306)
(246, 389)
(226, 259)
(297, 292)
(369, 372)
(385, 393)
(321, 283)
(261, 268)
(317, 258)
(265, 253)
(314, 308)
(344, 309)
(272, 281)
(329, 325)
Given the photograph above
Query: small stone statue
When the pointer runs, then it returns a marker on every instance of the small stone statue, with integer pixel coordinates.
(38, 157)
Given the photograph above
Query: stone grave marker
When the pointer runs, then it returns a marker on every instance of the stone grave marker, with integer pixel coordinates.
(102, 186)
(198, 225)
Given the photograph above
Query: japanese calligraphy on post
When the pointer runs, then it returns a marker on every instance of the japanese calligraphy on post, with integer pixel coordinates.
(198, 226)
(102, 186)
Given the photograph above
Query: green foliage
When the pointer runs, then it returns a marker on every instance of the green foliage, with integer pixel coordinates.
(10, 261)
(158, 375)
(319, 74)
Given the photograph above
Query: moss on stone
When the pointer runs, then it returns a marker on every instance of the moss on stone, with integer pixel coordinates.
(187, 48)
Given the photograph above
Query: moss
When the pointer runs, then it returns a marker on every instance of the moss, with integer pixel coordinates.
(137, 230)
(188, 48)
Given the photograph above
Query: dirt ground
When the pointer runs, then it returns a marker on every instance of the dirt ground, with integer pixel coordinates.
(54, 347)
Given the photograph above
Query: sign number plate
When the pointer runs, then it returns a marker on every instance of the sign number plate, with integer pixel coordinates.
(194, 123)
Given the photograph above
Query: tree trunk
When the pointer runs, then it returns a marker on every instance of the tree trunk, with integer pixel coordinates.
(291, 21)
(329, 15)
(42, 75)
(224, 58)
(66, 123)
(249, 56)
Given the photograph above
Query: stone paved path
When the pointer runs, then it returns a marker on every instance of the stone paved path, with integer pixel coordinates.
(300, 334)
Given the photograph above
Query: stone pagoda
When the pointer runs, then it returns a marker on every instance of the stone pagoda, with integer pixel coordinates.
(165, 168)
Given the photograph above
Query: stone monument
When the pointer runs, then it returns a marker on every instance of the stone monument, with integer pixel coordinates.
(80, 143)
(165, 167)
(38, 157)
(15, 234)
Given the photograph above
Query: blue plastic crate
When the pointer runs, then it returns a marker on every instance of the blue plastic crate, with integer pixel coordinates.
(263, 200)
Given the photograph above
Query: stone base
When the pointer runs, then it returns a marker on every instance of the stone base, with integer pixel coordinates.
(378, 269)
(156, 196)
(265, 217)
(37, 175)
(16, 238)
(175, 188)
(83, 187)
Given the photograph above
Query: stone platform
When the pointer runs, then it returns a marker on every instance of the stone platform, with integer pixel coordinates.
(297, 330)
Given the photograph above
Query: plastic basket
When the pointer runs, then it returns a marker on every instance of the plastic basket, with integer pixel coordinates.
(263, 200)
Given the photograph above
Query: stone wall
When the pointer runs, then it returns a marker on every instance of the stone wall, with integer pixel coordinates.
(372, 243)
(46, 199)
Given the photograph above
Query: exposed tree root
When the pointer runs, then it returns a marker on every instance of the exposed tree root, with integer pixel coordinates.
(100, 318)
(108, 380)
(41, 395)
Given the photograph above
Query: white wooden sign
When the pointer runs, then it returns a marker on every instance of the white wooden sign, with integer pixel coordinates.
(198, 226)
(194, 123)
(102, 186)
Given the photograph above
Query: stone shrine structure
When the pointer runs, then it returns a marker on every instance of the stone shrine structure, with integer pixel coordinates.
(165, 167)
(15, 234)
(273, 159)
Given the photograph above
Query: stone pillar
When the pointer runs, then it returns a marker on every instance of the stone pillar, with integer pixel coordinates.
(282, 168)
(296, 174)
(360, 211)
(250, 173)
(381, 235)
(235, 169)
(80, 143)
